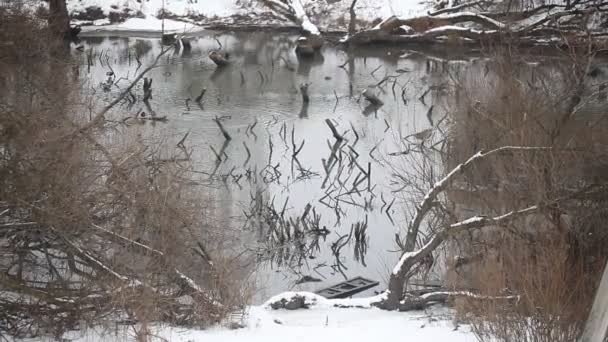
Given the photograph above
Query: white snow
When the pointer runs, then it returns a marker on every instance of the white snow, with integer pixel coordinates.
(402, 260)
(150, 24)
(154, 24)
(496, 23)
(468, 221)
(154, 7)
(317, 301)
(310, 27)
(320, 323)
(448, 28)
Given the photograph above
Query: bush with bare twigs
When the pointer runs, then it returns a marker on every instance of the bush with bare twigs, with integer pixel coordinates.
(93, 229)
(551, 261)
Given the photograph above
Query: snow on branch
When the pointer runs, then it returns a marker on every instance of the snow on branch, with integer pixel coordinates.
(456, 8)
(294, 11)
(420, 302)
(442, 184)
(536, 26)
(146, 249)
(411, 257)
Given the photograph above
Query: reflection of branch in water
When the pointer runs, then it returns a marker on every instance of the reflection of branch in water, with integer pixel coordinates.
(303, 111)
(336, 247)
(371, 108)
(360, 233)
(248, 153)
(218, 72)
(288, 241)
(222, 129)
(296, 150)
(218, 156)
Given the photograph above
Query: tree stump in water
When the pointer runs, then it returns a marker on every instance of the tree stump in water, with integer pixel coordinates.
(304, 91)
(186, 44)
(371, 96)
(147, 89)
(168, 38)
(308, 46)
(220, 59)
(303, 48)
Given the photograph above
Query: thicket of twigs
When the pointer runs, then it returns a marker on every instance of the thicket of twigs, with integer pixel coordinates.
(92, 231)
(552, 260)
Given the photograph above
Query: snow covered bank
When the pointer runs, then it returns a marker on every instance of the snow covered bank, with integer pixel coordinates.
(148, 24)
(327, 15)
(321, 322)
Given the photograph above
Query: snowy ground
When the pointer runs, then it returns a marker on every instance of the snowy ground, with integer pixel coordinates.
(147, 24)
(326, 14)
(322, 322)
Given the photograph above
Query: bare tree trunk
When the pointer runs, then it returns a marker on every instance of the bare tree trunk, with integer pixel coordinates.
(411, 256)
(59, 20)
(352, 25)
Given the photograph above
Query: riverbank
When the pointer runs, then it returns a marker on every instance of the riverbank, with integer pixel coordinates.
(321, 322)
(330, 15)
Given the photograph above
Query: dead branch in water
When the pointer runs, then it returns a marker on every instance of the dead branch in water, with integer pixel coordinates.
(199, 98)
(222, 129)
(304, 92)
(100, 115)
(334, 131)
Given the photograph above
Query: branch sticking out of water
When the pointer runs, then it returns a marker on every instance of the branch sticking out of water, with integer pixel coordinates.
(199, 98)
(224, 132)
(248, 153)
(334, 131)
(304, 91)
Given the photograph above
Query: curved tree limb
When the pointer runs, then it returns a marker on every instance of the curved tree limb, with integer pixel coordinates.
(410, 257)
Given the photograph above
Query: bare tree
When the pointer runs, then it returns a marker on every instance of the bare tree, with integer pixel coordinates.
(59, 19)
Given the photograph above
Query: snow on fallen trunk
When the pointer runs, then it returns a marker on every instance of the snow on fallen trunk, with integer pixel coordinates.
(428, 27)
(308, 300)
(302, 17)
(294, 11)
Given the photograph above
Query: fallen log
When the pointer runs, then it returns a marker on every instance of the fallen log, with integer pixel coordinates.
(414, 303)
(533, 27)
